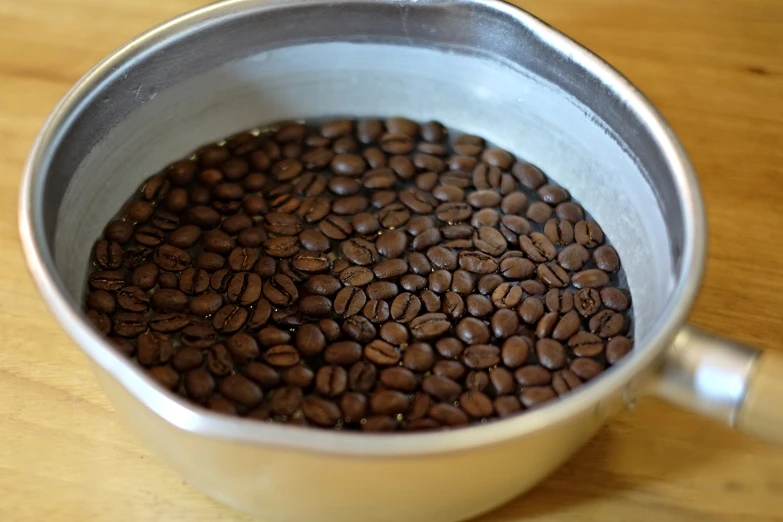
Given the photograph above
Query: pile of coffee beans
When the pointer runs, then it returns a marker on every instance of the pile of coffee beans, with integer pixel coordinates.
(375, 274)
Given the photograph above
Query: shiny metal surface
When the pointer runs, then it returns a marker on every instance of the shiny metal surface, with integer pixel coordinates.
(478, 65)
(706, 374)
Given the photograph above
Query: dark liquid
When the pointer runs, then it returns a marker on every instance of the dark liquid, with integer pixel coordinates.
(269, 194)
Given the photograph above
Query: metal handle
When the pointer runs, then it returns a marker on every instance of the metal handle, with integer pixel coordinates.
(725, 380)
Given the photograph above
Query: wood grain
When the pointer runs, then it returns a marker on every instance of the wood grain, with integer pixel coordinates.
(713, 67)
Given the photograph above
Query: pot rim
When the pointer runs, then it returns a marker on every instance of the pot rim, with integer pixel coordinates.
(181, 414)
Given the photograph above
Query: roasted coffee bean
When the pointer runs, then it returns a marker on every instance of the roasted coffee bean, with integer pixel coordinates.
(171, 258)
(617, 348)
(398, 378)
(169, 323)
(145, 276)
(567, 326)
(280, 290)
(585, 368)
(154, 349)
(168, 300)
(198, 335)
(473, 331)
(209, 261)
(502, 381)
(167, 279)
(607, 323)
(282, 355)
(478, 305)
(477, 380)
(358, 328)
(488, 283)
(560, 301)
(559, 231)
(516, 268)
(585, 344)
(229, 318)
(565, 381)
(429, 326)
(539, 212)
(591, 278)
(573, 257)
(476, 404)
(537, 247)
(551, 354)
(588, 234)
(533, 375)
(101, 301)
(134, 299)
(481, 356)
(349, 301)
(506, 405)
(504, 323)
(430, 300)
(536, 395)
(507, 296)
(108, 280)
(587, 301)
(615, 299)
(382, 290)
(108, 255)
(448, 415)
(516, 350)
(282, 246)
(241, 389)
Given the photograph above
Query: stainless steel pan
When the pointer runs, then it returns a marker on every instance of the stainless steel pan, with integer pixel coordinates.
(478, 65)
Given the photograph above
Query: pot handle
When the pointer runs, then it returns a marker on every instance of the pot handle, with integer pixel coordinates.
(726, 380)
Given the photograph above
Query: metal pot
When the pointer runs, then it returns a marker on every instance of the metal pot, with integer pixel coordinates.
(477, 65)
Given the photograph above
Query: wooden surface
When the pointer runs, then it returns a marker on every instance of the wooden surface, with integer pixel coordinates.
(713, 67)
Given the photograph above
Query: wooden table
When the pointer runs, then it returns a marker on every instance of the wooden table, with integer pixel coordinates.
(715, 69)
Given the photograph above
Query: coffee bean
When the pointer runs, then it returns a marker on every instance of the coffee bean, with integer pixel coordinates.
(533, 375)
(565, 381)
(504, 323)
(607, 323)
(448, 415)
(431, 301)
(481, 356)
(154, 349)
(376, 311)
(585, 344)
(615, 299)
(241, 389)
(442, 388)
(199, 384)
(398, 378)
(169, 323)
(559, 231)
(539, 212)
(506, 405)
(428, 326)
(229, 318)
(107, 280)
(588, 234)
(502, 381)
(101, 301)
(133, 299)
(167, 279)
(146, 276)
(567, 326)
(321, 411)
(507, 296)
(585, 368)
(536, 395)
(587, 301)
(280, 290)
(478, 305)
(476, 404)
(198, 335)
(353, 406)
(617, 347)
(551, 354)
(537, 247)
(606, 258)
(515, 351)
(591, 278)
(349, 301)
(283, 355)
(473, 331)
(488, 283)
(396, 143)
(383, 290)
(167, 300)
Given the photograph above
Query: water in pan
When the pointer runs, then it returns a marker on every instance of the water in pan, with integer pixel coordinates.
(361, 275)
